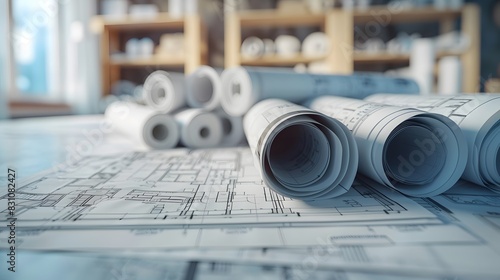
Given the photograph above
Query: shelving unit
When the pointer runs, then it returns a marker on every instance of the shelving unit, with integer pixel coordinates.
(111, 29)
(338, 25)
(234, 22)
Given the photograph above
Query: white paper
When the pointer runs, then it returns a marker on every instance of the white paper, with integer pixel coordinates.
(164, 91)
(415, 152)
(243, 87)
(450, 76)
(203, 88)
(199, 128)
(422, 59)
(479, 118)
(143, 125)
(299, 152)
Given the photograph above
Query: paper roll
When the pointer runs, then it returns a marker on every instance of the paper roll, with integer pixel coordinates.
(479, 118)
(164, 91)
(175, 8)
(143, 125)
(269, 46)
(300, 153)
(287, 45)
(316, 44)
(203, 88)
(146, 47)
(199, 128)
(450, 76)
(300, 68)
(171, 45)
(132, 48)
(143, 11)
(374, 45)
(415, 152)
(232, 128)
(191, 7)
(252, 47)
(422, 59)
(242, 87)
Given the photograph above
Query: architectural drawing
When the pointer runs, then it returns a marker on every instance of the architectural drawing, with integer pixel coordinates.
(187, 188)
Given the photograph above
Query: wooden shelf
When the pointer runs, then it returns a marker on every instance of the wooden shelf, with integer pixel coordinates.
(111, 30)
(268, 18)
(98, 23)
(360, 57)
(278, 60)
(338, 26)
(387, 15)
(155, 60)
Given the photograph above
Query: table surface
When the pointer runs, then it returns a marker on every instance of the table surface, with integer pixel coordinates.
(36, 144)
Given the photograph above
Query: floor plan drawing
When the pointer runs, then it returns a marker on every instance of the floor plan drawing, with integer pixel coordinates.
(184, 187)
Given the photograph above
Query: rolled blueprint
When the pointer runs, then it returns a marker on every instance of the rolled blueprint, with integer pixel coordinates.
(164, 91)
(252, 47)
(417, 153)
(479, 118)
(143, 125)
(316, 44)
(232, 128)
(199, 128)
(242, 87)
(300, 153)
(203, 88)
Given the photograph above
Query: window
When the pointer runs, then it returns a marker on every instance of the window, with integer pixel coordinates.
(35, 47)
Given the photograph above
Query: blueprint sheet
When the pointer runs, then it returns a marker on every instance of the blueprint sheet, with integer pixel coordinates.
(88, 266)
(183, 188)
(210, 209)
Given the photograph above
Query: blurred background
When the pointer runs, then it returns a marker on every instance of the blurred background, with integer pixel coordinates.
(62, 57)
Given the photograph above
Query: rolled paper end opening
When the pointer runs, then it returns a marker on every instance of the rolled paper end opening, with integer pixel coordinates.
(160, 132)
(414, 155)
(158, 95)
(204, 132)
(203, 88)
(298, 155)
(425, 155)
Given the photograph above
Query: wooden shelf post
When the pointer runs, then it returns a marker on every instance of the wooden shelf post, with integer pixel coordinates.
(339, 28)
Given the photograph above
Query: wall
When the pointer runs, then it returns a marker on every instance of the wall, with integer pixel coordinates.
(4, 61)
